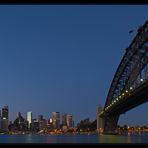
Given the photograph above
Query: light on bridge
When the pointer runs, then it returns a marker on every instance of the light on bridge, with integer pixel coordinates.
(117, 99)
(126, 91)
(141, 80)
(131, 88)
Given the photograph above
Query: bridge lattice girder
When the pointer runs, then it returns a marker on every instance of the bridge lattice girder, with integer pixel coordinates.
(132, 66)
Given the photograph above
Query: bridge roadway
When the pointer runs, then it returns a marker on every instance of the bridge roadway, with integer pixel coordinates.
(133, 99)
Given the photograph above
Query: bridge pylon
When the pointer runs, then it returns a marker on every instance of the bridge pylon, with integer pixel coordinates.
(110, 124)
(100, 121)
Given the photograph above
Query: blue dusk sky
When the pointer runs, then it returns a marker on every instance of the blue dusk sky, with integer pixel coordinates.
(63, 57)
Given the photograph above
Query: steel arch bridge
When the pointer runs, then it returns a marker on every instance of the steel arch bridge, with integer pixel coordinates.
(129, 87)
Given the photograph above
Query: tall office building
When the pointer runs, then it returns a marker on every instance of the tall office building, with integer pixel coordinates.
(56, 120)
(19, 122)
(42, 122)
(100, 123)
(69, 121)
(40, 118)
(64, 120)
(29, 119)
(5, 118)
(5, 112)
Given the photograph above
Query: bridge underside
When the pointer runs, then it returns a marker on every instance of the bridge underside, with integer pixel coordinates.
(137, 97)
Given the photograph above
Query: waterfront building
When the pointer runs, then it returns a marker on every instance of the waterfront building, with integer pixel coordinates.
(56, 120)
(50, 120)
(50, 124)
(29, 119)
(5, 118)
(5, 112)
(19, 122)
(69, 121)
(40, 118)
(4, 125)
(64, 119)
(35, 125)
(42, 122)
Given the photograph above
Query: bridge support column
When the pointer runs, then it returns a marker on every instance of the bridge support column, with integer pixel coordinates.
(110, 124)
(100, 121)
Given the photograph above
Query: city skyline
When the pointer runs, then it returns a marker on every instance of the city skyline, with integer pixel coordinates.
(63, 58)
(29, 116)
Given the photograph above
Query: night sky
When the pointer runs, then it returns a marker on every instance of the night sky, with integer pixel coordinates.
(63, 57)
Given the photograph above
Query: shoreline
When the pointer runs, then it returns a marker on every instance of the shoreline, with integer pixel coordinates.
(77, 133)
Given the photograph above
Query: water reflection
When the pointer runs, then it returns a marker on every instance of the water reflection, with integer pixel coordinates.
(94, 138)
(128, 138)
(112, 139)
(50, 139)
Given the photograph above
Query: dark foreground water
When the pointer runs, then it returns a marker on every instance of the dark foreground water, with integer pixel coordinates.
(92, 138)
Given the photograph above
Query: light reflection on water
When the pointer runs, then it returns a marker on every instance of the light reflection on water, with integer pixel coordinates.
(115, 139)
(94, 138)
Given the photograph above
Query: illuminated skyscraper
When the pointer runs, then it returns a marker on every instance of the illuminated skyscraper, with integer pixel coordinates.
(5, 118)
(69, 121)
(29, 119)
(56, 120)
(5, 112)
(64, 116)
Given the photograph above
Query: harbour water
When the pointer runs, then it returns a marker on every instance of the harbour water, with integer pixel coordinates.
(80, 138)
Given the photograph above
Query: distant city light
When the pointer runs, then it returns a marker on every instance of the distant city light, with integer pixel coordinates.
(50, 120)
